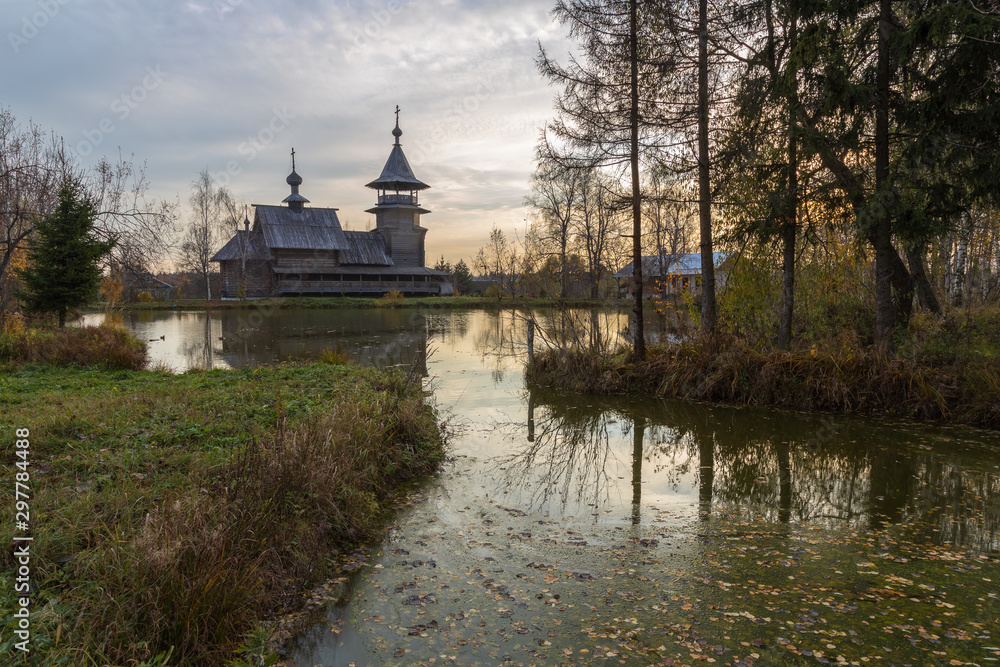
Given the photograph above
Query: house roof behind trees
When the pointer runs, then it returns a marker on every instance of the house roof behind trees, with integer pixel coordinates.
(685, 264)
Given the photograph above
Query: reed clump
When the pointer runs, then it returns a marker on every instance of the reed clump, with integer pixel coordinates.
(391, 299)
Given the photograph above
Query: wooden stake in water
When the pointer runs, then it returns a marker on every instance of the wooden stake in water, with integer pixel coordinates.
(531, 342)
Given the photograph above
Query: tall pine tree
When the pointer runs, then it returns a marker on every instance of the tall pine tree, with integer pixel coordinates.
(63, 271)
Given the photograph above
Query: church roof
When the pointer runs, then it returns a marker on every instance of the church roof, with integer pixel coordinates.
(365, 248)
(357, 249)
(397, 174)
(310, 228)
(255, 247)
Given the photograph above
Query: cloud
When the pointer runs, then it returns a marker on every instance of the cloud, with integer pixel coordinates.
(461, 70)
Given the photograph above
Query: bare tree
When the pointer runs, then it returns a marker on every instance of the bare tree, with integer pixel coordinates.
(598, 223)
(144, 226)
(610, 110)
(236, 225)
(211, 204)
(669, 220)
(32, 165)
(31, 168)
(555, 194)
(497, 261)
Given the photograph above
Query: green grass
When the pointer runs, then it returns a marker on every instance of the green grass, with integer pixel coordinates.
(172, 512)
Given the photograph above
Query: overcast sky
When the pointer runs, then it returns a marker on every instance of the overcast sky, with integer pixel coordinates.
(233, 85)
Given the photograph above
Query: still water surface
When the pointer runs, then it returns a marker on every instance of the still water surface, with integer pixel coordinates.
(570, 529)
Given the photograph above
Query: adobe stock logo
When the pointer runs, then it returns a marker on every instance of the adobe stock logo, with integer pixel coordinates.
(254, 144)
(30, 25)
(122, 107)
(364, 36)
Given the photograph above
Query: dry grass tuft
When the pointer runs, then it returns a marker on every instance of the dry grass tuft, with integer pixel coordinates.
(111, 347)
(391, 299)
(335, 356)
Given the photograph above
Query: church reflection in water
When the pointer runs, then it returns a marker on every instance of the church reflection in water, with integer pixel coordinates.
(383, 337)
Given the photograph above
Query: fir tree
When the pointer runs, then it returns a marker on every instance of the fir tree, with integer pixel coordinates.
(63, 271)
(443, 265)
(463, 277)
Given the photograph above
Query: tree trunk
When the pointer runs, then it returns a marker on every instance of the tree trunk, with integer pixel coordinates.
(995, 282)
(889, 307)
(958, 299)
(947, 265)
(62, 318)
(638, 336)
(918, 271)
(708, 312)
(791, 214)
(562, 267)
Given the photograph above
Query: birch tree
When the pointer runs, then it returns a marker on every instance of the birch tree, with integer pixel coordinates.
(210, 204)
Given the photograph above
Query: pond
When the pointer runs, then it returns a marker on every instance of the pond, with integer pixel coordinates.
(570, 529)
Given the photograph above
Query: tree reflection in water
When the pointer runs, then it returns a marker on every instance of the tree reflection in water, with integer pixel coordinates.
(921, 482)
(506, 335)
(758, 465)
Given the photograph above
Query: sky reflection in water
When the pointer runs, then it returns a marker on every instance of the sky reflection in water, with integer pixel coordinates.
(569, 526)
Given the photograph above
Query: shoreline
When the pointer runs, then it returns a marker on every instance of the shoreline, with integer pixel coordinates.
(285, 303)
(220, 497)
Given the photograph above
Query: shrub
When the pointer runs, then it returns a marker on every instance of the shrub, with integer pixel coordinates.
(391, 299)
(844, 378)
(494, 291)
(144, 297)
(833, 299)
(111, 291)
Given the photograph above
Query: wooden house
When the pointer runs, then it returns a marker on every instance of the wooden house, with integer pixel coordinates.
(299, 250)
(136, 283)
(670, 275)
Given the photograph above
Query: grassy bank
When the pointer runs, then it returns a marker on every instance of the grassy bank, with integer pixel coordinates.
(171, 512)
(107, 347)
(945, 370)
(281, 303)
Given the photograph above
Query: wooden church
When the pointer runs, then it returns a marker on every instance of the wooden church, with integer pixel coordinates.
(300, 250)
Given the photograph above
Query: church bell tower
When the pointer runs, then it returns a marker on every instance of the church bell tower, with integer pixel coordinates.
(397, 214)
